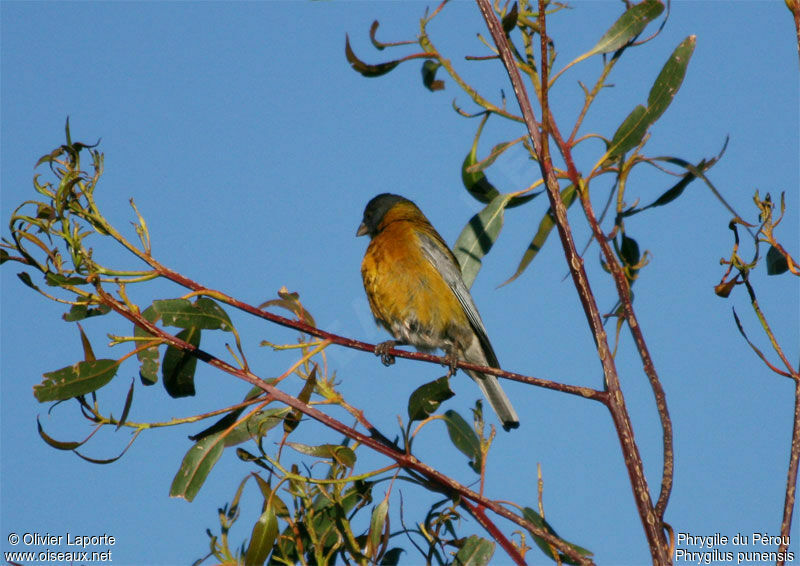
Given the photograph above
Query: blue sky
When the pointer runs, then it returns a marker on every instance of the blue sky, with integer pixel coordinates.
(251, 147)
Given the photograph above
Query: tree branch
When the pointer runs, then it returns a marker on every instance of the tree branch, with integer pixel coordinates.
(376, 442)
(619, 414)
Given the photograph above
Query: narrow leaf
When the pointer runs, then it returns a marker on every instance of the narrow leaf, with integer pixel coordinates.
(534, 517)
(376, 527)
(126, 409)
(510, 19)
(72, 381)
(476, 182)
(88, 353)
(496, 152)
(476, 551)
(342, 454)
(196, 465)
(293, 418)
(25, 277)
(179, 366)
(148, 358)
(426, 398)
(265, 531)
(204, 314)
(724, 288)
(57, 444)
(629, 133)
(478, 237)
(429, 79)
(464, 438)
(776, 262)
(546, 225)
(669, 80)
(256, 426)
(290, 302)
(59, 280)
(372, 30)
(629, 25)
(392, 557)
(629, 250)
(362, 67)
(81, 311)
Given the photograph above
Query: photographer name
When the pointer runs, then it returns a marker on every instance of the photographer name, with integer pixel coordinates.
(83, 541)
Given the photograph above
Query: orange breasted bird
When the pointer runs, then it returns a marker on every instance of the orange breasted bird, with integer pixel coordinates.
(415, 290)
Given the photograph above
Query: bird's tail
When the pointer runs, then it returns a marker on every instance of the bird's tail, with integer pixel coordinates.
(497, 398)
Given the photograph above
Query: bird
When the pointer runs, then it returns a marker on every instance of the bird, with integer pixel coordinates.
(415, 291)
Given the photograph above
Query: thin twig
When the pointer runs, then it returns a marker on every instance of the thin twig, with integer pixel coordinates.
(791, 476)
(633, 462)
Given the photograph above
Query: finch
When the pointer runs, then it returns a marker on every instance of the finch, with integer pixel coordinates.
(415, 290)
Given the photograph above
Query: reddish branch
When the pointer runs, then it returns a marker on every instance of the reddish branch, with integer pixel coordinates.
(586, 392)
(791, 479)
(650, 521)
(407, 461)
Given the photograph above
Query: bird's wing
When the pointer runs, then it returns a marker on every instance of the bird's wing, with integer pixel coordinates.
(437, 252)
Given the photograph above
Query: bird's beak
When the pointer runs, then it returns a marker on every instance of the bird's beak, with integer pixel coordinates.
(362, 230)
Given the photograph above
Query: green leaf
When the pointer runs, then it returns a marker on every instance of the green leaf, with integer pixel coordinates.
(196, 466)
(290, 302)
(476, 551)
(668, 196)
(342, 454)
(546, 225)
(669, 80)
(629, 133)
(204, 314)
(496, 152)
(179, 366)
(376, 528)
(4, 256)
(126, 408)
(478, 237)
(256, 426)
(537, 520)
(81, 311)
(88, 353)
(429, 79)
(57, 444)
(293, 418)
(629, 250)
(476, 183)
(392, 557)
(372, 30)
(59, 280)
(510, 19)
(464, 438)
(776, 262)
(629, 25)
(426, 398)
(364, 68)
(148, 358)
(25, 277)
(72, 381)
(265, 531)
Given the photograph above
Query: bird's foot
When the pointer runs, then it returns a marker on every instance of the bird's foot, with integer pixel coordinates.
(382, 350)
(451, 361)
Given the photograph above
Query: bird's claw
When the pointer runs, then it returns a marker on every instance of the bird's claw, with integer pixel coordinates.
(451, 361)
(382, 350)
